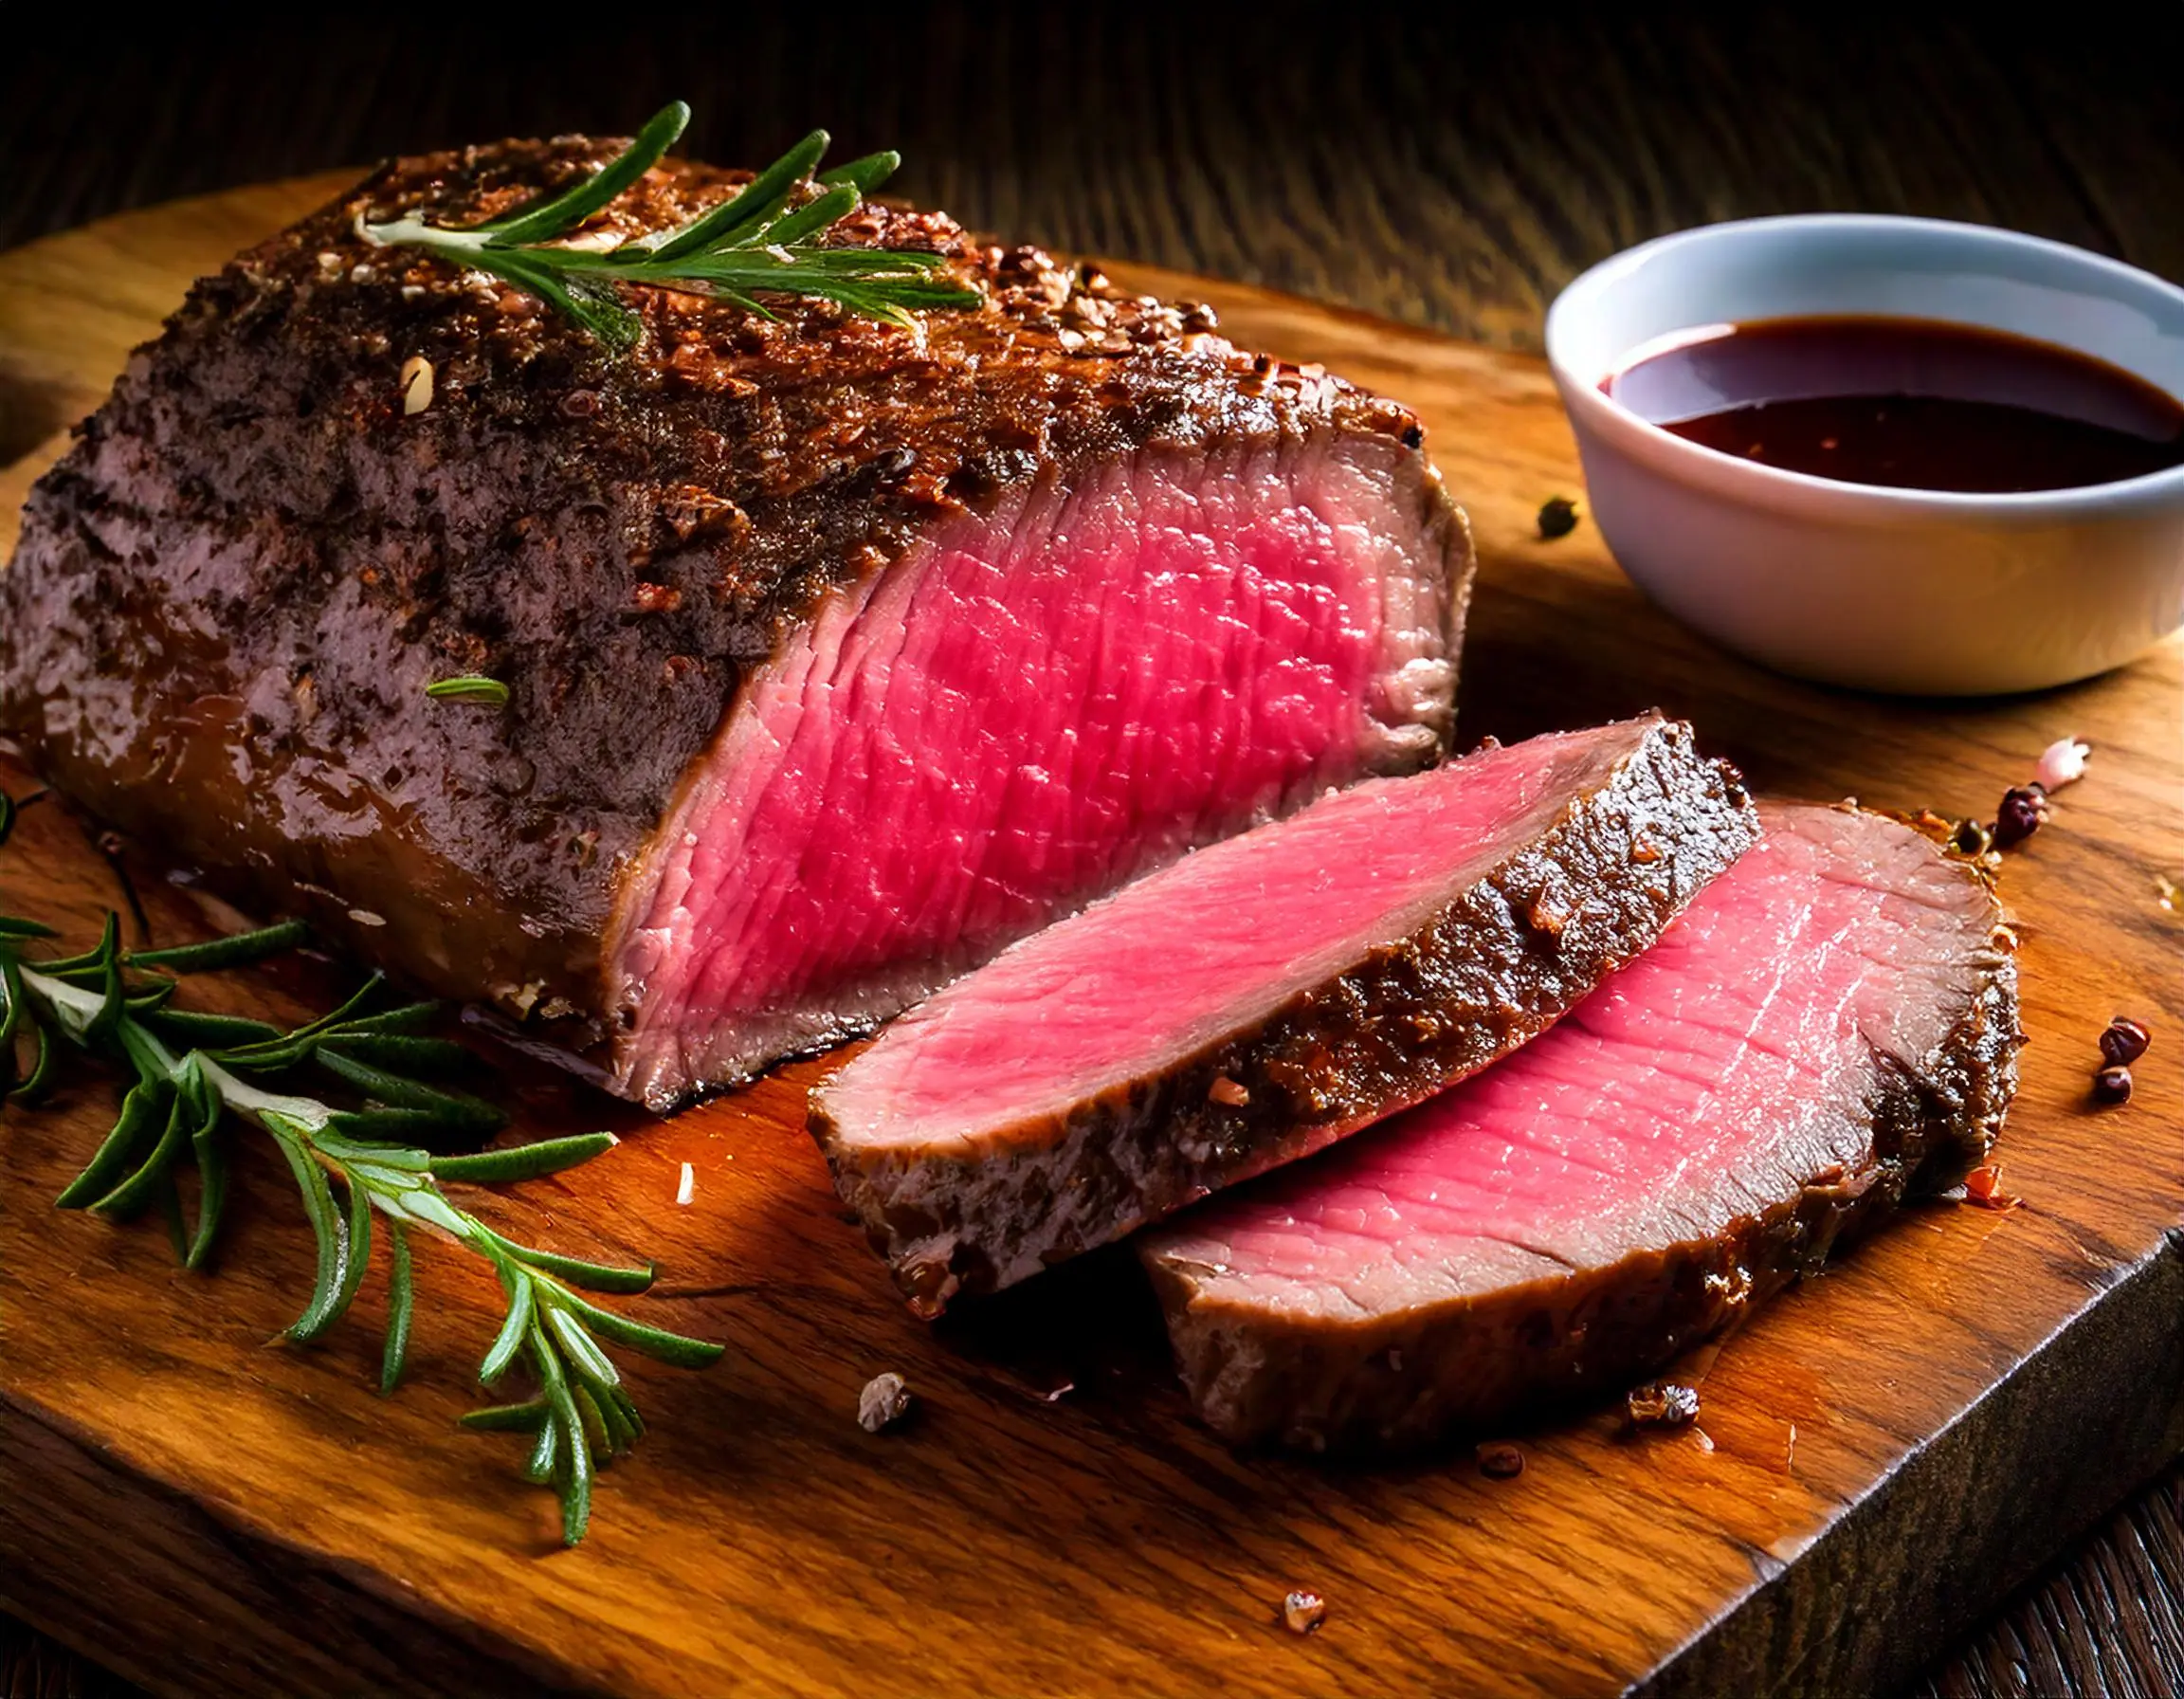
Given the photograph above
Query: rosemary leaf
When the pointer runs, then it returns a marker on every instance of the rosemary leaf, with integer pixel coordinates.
(358, 1153)
(113, 995)
(126, 1199)
(751, 207)
(582, 1350)
(355, 1248)
(864, 175)
(211, 1159)
(544, 1452)
(401, 1305)
(820, 212)
(407, 1017)
(576, 1474)
(469, 688)
(526, 1417)
(398, 1126)
(674, 1348)
(33, 1085)
(556, 214)
(139, 1111)
(454, 1110)
(287, 1048)
(621, 1437)
(513, 1329)
(523, 1161)
(331, 1232)
(602, 1442)
(201, 1031)
(401, 1051)
(236, 950)
(595, 1277)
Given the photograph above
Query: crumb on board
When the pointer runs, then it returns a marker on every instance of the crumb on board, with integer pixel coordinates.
(1303, 1611)
(1983, 1189)
(884, 1401)
(686, 1186)
(2063, 762)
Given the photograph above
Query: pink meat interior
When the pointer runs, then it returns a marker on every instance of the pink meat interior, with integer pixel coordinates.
(1212, 944)
(1701, 1083)
(1024, 713)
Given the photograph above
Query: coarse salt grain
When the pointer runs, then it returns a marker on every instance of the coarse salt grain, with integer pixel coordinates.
(687, 1185)
(2063, 762)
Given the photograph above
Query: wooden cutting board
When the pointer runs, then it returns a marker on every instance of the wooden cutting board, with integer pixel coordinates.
(1880, 1455)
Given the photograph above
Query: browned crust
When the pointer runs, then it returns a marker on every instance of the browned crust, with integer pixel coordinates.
(229, 596)
(1396, 1383)
(1488, 972)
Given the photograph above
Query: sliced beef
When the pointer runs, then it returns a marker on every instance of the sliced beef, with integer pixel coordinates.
(1264, 998)
(1833, 1021)
(839, 653)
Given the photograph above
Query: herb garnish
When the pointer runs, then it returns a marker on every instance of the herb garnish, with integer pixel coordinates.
(754, 242)
(196, 1073)
(469, 688)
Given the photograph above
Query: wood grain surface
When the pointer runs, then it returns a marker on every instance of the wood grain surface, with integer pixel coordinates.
(1887, 1450)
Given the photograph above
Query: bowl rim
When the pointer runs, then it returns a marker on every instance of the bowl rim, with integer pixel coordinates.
(1766, 484)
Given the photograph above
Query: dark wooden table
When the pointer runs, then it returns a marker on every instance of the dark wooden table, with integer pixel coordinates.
(1454, 175)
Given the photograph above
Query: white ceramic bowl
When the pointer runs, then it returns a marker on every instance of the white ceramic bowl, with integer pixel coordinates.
(1914, 591)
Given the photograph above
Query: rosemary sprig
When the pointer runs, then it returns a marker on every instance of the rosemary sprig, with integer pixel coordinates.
(196, 1073)
(763, 239)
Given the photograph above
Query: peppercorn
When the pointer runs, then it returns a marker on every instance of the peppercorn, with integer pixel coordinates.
(2112, 1086)
(2124, 1041)
(2024, 811)
(1557, 517)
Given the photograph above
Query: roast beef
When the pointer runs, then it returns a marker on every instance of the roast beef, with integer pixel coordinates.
(839, 652)
(1264, 998)
(1833, 1021)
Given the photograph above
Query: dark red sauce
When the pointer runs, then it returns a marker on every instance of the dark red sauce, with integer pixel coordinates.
(1913, 403)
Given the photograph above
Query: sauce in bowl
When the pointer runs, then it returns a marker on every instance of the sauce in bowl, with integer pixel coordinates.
(1912, 403)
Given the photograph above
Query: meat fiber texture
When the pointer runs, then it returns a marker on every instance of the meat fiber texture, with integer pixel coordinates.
(1266, 997)
(1833, 1021)
(839, 652)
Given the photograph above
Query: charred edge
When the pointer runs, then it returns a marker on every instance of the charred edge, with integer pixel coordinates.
(1406, 1384)
(1612, 871)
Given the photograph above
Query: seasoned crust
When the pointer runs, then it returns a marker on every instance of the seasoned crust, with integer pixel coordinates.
(242, 576)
